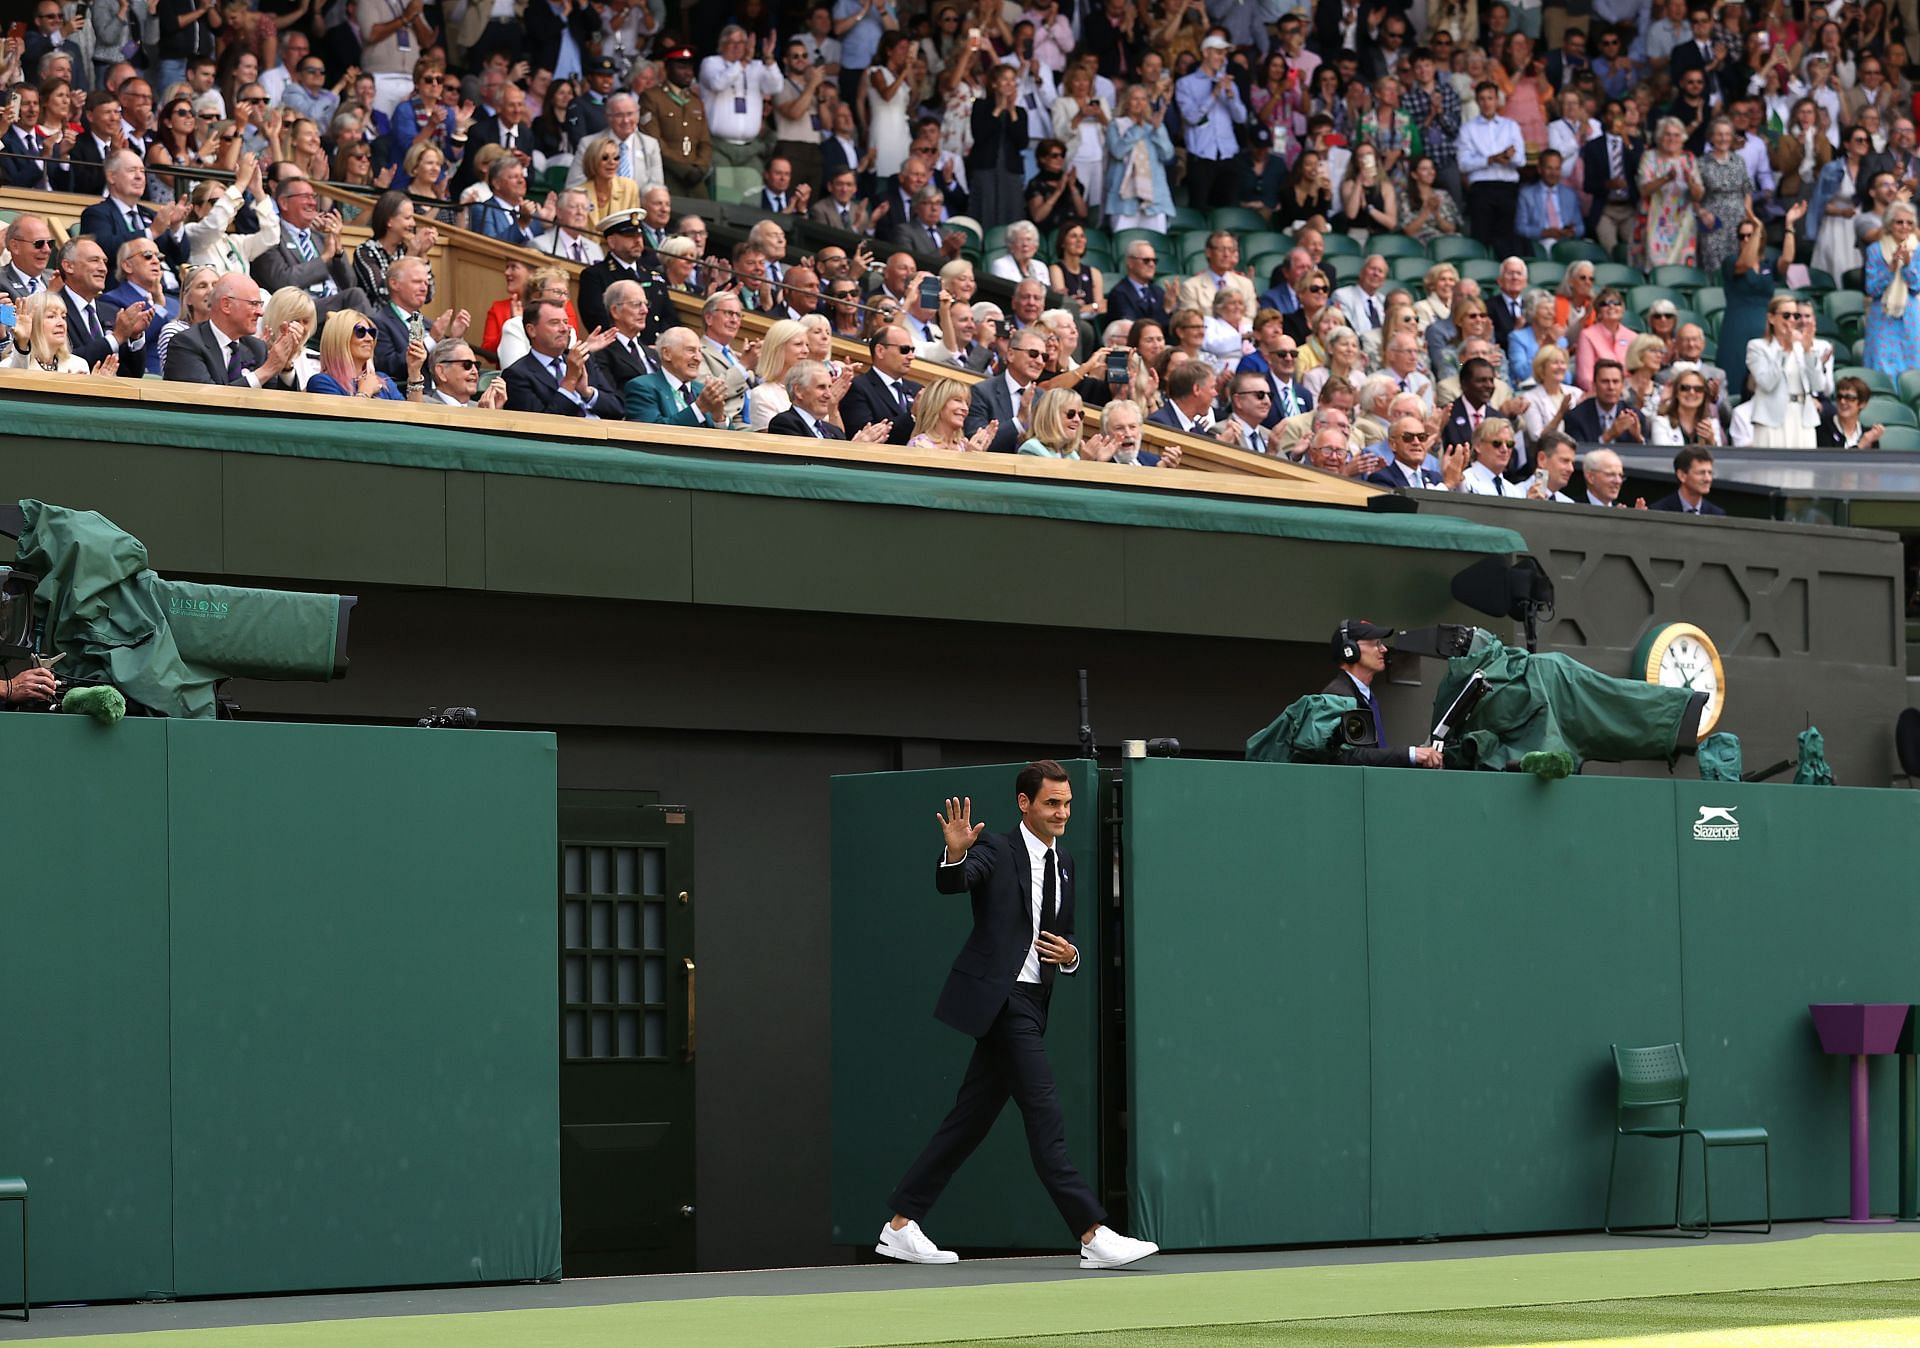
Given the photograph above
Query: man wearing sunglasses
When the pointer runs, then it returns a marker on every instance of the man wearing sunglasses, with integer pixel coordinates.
(454, 377)
(1408, 441)
(884, 393)
(29, 256)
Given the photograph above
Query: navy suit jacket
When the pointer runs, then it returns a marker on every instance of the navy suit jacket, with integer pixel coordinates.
(109, 229)
(531, 387)
(1124, 301)
(1672, 503)
(997, 873)
(86, 167)
(21, 172)
(651, 399)
(124, 294)
(789, 423)
(990, 401)
(390, 347)
(867, 401)
(133, 364)
(1390, 476)
(1593, 161)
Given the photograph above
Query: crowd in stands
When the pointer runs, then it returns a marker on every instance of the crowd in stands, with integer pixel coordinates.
(1433, 244)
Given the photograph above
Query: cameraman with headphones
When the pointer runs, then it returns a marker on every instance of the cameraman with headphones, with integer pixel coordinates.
(1361, 649)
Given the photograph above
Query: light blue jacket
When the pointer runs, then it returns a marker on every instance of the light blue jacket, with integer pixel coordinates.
(1122, 136)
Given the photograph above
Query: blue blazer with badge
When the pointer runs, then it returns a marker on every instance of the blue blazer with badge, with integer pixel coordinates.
(651, 399)
(998, 872)
(1532, 216)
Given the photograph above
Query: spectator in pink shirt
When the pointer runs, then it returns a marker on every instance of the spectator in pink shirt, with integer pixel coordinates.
(1606, 338)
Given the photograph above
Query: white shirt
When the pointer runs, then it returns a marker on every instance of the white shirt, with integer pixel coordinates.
(732, 91)
(1036, 886)
(678, 385)
(1480, 480)
(1484, 137)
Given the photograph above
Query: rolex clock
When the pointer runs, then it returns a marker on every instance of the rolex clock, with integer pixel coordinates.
(1680, 655)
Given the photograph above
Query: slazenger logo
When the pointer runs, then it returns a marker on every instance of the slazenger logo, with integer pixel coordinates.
(1717, 824)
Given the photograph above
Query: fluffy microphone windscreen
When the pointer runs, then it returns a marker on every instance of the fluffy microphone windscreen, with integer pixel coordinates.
(105, 705)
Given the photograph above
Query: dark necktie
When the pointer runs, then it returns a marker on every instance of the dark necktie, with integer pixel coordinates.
(93, 322)
(1049, 909)
(234, 368)
(1373, 312)
(1379, 729)
(846, 221)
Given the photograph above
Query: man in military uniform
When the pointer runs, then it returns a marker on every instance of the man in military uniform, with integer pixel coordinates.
(624, 262)
(673, 114)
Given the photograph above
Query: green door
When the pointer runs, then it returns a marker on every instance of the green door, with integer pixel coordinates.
(628, 1019)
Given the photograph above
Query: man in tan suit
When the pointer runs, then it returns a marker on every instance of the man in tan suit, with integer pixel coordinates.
(1223, 255)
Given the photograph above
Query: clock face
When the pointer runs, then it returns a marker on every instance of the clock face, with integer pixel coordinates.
(1690, 662)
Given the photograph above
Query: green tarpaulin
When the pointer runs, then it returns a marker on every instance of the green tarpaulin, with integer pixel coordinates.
(1543, 703)
(165, 644)
(1304, 733)
(473, 451)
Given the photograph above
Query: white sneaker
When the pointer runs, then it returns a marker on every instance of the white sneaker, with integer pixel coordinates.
(910, 1243)
(1110, 1249)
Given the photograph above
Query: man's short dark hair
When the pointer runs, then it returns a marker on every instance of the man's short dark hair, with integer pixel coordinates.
(99, 98)
(1185, 377)
(1033, 774)
(1485, 85)
(1476, 363)
(1692, 454)
(536, 307)
(1606, 363)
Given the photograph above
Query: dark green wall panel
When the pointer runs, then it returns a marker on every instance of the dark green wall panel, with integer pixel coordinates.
(83, 1003)
(1813, 903)
(1516, 929)
(353, 520)
(364, 1011)
(895, 1068)
(1247, 1004)
(551, 536)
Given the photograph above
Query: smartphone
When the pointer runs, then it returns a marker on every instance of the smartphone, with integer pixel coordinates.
(17, 32)
(1026, 49)
(930, 293)
(1539, 480)
(8, 315)
(1117, 372)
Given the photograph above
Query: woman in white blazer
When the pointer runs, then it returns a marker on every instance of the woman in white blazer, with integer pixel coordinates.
(1786, 372)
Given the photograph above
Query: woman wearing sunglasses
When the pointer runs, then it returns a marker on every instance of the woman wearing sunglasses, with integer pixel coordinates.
(1685, 418)
(1843, 430)
(346, 362)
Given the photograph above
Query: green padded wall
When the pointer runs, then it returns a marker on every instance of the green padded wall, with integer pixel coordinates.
(1504, 961)
(1377, 1003)
(280, 1007)
(365, 1026)
(83, 1002)
(895, 1068)
(1247, 1003)
(1813, 903)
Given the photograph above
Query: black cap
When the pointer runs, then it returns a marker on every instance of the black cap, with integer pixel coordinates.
(1354, 630)
(603, 66)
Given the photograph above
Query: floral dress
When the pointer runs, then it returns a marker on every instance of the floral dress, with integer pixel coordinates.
(1727, 188)
(1893, 344)
(1669, 219)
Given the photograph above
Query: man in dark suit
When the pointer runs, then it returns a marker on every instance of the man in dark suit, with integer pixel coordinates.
(111, 220)
(1605, 417)
(223, 350)
(1693, 469)
(1506, 303)
(139, 262)
(1407, 440)
(34, 167)
(100, 127)
(625, 358)
(675, 394)
(1360, 647)
(404, 321)
(624, 243)
(555, 377)
(1139, 294)
(1609, 168)
(1473, 406)
(1191, 390)
(997, 993)
(920, 231)
(884, 393)
(309, 254)
(97, 328)
(1008, 397)
(29, 261)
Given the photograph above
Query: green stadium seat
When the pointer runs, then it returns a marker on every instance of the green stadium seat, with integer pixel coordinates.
(1239, 219)
(1260, 268)
(1454, 248)
(1899, 437)
(1642, 298)
(1909, 385)
(1546, 273)
(1820, 282)
(1888, 412)
(1876, 381)
(1482, 269)
(1186, 217)
(1409, 268)
(1709, 299)
(1838, 304)
(995, 239)
(1616, 274)
(1343, 244)
(1651, 1081)
(1710, 352)
(1578, 250)
(1679, 277)
(1263, 241)
(736, 185)
(1126, 238)
(1392, 246)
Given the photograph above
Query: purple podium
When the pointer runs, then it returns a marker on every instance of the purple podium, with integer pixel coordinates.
(1858, 1029)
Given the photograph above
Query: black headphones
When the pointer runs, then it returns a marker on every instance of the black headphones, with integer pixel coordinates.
(1344, 645)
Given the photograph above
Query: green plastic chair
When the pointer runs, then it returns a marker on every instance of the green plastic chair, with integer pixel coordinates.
(1391, 246)
(736, 185)
(1876, 381)
(1409, 268)
(13, 1189)
(1679, 277)
(1888, 412)
(1343, 270)
(1819, 282)
(1122, 240)
(1642, 298)
(1579, 250)
(1239, 219)
(1482, 269)
(1260, 268)
(1839, 304)
(1263, 241)
(1616, 274)
(1909, 386)
(1655, 1079)
(1344, 245)
(1455, 248)
(1186, 217)
(1900, 437)
(1709, 299)
(1546, 273)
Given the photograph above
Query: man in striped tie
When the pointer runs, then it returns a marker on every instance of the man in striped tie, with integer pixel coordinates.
(309, 254)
